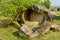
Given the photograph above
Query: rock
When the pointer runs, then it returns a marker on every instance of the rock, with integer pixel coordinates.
(32, 24)
(55, 27)
(28, 28)
(32, 29)
(37, 20)
(44, 27)
(53, 14)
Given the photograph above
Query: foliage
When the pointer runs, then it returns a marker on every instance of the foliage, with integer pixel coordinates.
(46, 3)
(14, 7)
(8, 6)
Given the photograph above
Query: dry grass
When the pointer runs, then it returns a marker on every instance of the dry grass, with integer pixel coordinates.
(11, 33)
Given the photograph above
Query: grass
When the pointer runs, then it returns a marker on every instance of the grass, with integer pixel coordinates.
(11, 32)
(7, 33)
(57, 18)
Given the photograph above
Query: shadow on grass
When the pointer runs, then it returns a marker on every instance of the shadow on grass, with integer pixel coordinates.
(6, 26)
(16, 34)
(6, 23)
(57, 17)
(24, 37)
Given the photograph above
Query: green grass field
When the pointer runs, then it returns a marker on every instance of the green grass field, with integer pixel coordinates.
(57, 18)
(11, 32)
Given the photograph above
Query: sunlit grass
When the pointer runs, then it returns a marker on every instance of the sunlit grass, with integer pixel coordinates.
(7, 33)
(11, 32)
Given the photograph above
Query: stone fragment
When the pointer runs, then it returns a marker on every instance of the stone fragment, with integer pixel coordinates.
(55, 27)
(28, 28)
(44, 27)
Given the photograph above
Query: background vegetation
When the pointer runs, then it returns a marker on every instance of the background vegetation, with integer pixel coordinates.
(9, 6)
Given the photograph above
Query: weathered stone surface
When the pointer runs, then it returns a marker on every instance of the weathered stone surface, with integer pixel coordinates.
(32, 24)
(38, 17)
(27, 28)
(32, 29)
(44, 27)
(36, 20)
(55, 26)
(36, 13)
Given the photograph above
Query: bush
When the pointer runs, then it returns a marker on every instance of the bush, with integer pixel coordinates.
(12, 8)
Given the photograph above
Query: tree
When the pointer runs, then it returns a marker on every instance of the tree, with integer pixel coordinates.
(46, 3)
(13, 8)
